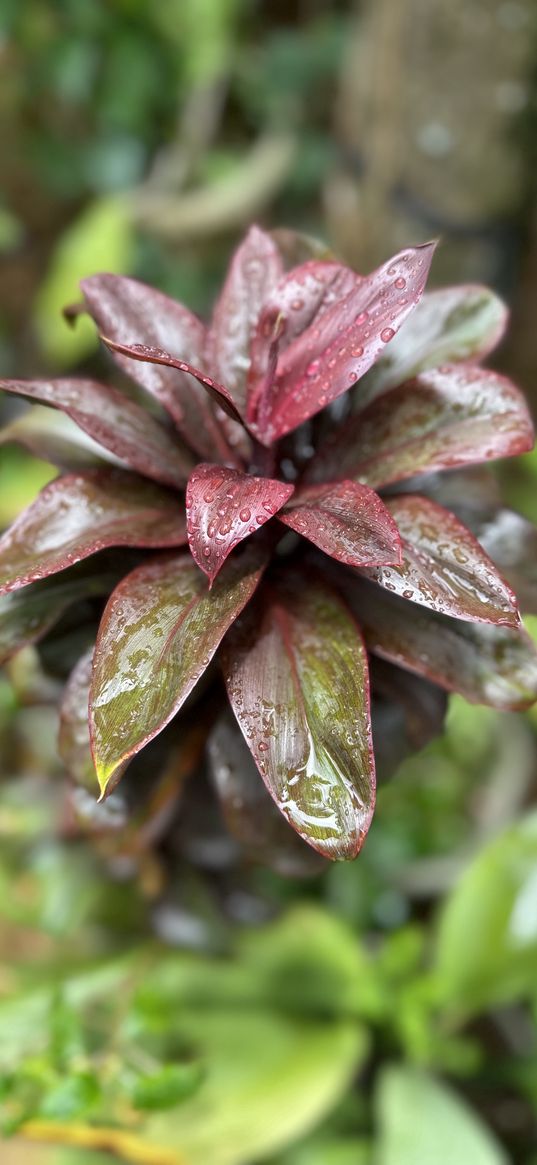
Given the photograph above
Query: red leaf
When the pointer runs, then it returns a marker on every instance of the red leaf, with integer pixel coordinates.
(252, 275)
(347, 521)
(249, 812)
(486, 664)
(455, 415)
(129, 312)
(115, 422)
(158, 634)
(73, 736)
(297, 679)
(443, 566)
(300, 298)
(77, 515)
(142, 352)
(327, 359)
(225, 506)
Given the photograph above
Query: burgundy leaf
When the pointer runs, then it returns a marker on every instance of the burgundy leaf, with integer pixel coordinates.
(158, 634)
(451, 416)
(250, 814)
(225, 506)
(301, 297)
(254, 270)
(77, 515)
(54, 437)
(347, 521)
(511, 542)
(144, 353)
(115, 422)
(328, 358)
(451, 324)
(486, 664)
(444, 567)
(129, 312)
(297, 679)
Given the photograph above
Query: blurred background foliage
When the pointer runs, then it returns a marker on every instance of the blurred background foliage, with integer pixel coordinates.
(383, 1012)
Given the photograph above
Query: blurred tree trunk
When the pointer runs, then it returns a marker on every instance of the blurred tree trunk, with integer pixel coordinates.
(436, 118)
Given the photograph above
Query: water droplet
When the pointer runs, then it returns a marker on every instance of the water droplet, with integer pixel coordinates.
(245, 514)
(312, 368)
(386, 335)
(362, 317)
(400, 283)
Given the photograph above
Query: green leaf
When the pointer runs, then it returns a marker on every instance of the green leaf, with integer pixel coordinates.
(100, 238)
(167, 1087)
(486, 951)
(72, 1098)
(423, 1122)
(158, 634)
(297, 679)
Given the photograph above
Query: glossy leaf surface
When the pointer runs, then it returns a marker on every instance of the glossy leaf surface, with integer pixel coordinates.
(115, 422)
(249, 812)
(300, 298)
(130, 312)
(346, 520)
(487, 664)
(225, 506)
(77, 515)
(451, 416)
(328, 358)
(444, 567)
(253, 273)
(158, 634)
(450, 325)
(297, 679)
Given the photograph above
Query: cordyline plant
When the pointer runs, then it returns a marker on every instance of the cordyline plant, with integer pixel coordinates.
(279, 472)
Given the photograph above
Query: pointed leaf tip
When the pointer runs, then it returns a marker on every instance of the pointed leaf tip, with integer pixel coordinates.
(224, 506)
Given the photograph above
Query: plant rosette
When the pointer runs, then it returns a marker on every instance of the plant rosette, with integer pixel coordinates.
(278, 481)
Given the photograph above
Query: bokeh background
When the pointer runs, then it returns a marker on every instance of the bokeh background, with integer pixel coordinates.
(390, 1015)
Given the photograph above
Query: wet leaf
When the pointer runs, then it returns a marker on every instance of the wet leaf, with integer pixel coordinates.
(250, 814)
(326, 360)
(129, 312)
(297, 679)
(346, 520)
(149, 355)
(301, 297)
(444, 567)
(252, 275)
(451, 416)
(115, 422)
(487, 664)
(421, 1120)
(486, 951)
(77, 515)
(158, 634)
(450, 325)
(223, 507)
